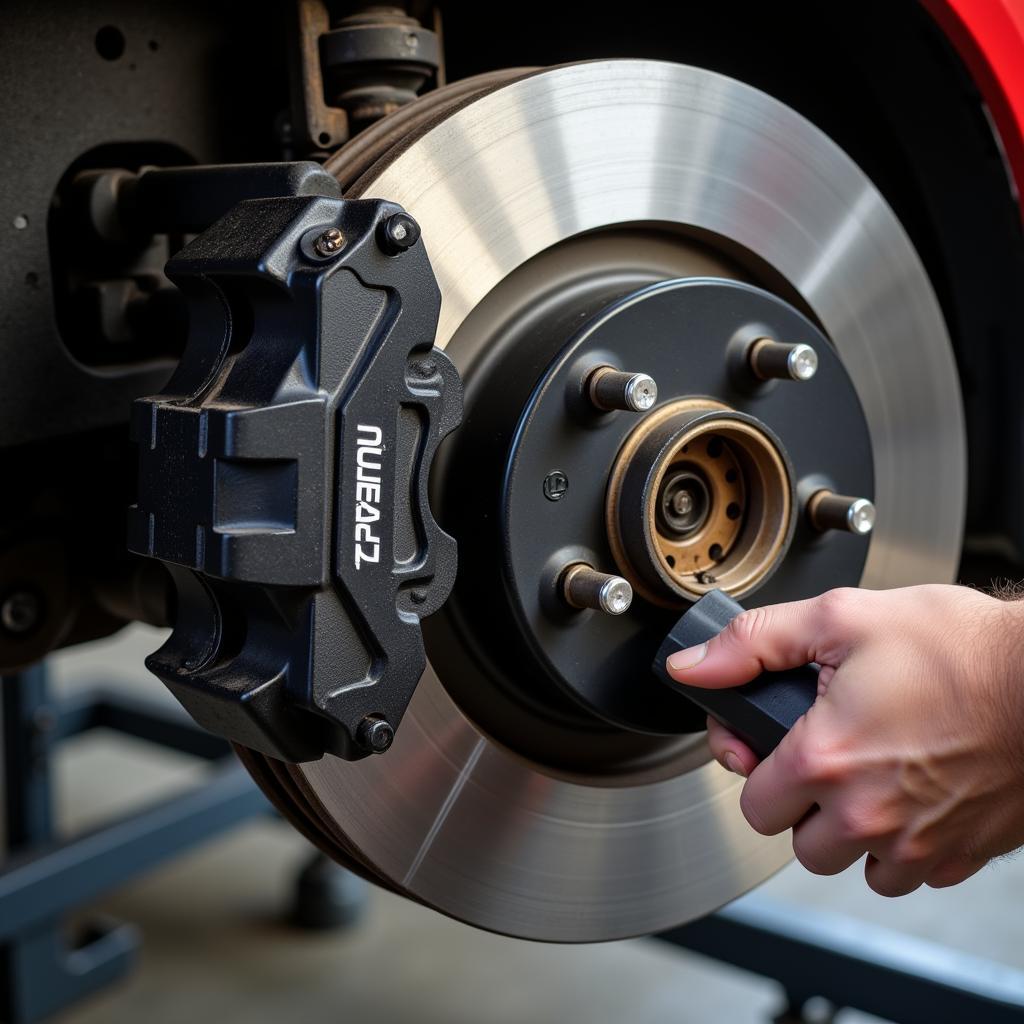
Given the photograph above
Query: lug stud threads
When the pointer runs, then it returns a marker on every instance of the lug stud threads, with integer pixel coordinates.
(375, 734)
(771, 360)
(584, 587)
(829, 511)
(330, 243)
(398, 233)
(609, 389)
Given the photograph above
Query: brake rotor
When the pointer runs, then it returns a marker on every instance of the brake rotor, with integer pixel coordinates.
(615, 175)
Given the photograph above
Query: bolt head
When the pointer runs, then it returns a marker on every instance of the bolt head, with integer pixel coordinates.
(616, 596)
(641, 392)
(330, 243)
(802, 362)
(861, 516)
(682, 503)
(398, 233)
(375, 734)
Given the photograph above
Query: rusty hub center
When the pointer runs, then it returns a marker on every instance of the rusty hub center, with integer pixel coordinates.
(700, 496)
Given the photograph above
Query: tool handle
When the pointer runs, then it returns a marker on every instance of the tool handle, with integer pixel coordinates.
(760, 712)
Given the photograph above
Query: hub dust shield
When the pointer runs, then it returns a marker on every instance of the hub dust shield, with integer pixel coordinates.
(678, 380)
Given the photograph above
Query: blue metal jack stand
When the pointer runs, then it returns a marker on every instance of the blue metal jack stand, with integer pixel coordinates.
(45, 877)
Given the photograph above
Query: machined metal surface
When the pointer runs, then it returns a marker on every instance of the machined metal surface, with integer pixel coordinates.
(609, 389)
(584, 587)
(771, 360)
(451, 817)
(828, 511)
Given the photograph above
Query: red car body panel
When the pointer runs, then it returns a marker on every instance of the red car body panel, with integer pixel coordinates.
(989, 36)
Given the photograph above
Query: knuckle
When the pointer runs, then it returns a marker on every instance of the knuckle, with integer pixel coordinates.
(746, 628)
(835, 607)
(861, 823)
(909, 852)
(813, 761)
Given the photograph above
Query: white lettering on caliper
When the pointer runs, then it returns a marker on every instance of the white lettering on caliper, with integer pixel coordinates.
(368, 482)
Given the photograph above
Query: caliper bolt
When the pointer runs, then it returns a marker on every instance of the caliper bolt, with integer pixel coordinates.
(584, 587)
(330, 243)
(398, 233)
(19, 611)
(771, 360)
(829, 511)
(608, 389)
(375, 734)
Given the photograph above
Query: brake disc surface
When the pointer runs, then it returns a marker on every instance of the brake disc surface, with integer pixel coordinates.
(670, 171)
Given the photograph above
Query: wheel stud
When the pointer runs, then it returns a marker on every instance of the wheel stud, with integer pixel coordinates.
(584, 587)
(829, 511)
(771, 360)
(608, 389)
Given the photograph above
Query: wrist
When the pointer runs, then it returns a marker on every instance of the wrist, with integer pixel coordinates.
(1004, 639)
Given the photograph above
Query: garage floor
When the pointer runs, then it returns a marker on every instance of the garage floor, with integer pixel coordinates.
(216, 950)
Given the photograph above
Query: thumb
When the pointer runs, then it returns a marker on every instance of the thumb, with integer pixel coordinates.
(772, 638)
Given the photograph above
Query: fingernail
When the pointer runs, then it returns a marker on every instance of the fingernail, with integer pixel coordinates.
(689, 658)
(734, 764)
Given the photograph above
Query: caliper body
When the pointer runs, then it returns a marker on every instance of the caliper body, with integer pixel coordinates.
(283, 475)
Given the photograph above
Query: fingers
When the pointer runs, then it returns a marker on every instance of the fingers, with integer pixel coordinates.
(953, 873)
(889, 878)
(820, 845)
(777, 796)
(775, 637)
(730, 751)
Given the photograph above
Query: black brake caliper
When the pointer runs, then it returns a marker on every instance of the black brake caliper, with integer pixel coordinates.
(283, 475)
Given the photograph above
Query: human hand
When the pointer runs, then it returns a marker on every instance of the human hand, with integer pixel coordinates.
(913, 751)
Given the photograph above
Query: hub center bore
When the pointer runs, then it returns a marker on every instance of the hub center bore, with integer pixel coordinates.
(684, 502)
(700, 496)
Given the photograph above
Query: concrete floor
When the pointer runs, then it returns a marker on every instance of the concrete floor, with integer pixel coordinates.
(216, 950)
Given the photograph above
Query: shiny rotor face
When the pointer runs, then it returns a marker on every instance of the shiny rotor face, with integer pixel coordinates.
(701, 175)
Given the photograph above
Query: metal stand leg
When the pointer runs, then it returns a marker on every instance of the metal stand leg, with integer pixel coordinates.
(328, 896)
(44, 878)
(819, 956)
(40, 971)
